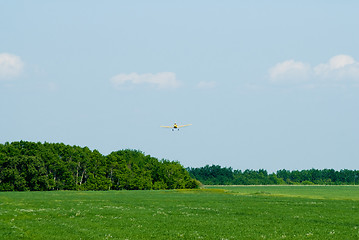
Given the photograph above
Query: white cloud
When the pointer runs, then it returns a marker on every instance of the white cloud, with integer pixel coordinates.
(340, 68)
(289, 71)
(162, 80)
(206, 84)
(10, 66)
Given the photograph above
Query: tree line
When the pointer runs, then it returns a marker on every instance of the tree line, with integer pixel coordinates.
(217, 175)
(29, 166)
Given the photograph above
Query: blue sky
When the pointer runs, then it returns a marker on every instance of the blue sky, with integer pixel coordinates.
(266, 84)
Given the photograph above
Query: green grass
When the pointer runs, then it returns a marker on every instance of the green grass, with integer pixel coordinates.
(260, 212)
(335, 192)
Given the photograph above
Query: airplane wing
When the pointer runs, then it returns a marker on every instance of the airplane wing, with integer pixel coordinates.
(184, 125)
(166, 126)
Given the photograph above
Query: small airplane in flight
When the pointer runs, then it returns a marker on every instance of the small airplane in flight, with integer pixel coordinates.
(175, 126)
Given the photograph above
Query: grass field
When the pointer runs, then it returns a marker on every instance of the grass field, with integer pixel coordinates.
(316, 192)
(236, 212)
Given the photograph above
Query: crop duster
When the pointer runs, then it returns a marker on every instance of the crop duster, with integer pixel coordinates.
(175, 126)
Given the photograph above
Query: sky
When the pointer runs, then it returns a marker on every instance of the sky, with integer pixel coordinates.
(265, 84)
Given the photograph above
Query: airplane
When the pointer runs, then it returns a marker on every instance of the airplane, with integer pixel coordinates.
(175, 126)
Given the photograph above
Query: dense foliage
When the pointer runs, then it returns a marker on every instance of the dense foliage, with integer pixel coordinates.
(217, 175)
(56, 166)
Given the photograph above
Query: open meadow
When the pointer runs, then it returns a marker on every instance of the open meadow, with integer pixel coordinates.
(215, 212)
